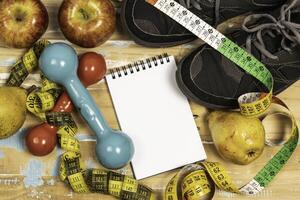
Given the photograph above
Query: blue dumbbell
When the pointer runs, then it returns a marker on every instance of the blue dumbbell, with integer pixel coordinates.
(59, 63)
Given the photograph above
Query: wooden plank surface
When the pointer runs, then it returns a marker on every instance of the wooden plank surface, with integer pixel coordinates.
(23, 176)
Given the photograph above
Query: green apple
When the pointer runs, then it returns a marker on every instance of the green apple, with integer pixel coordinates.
(22, 22)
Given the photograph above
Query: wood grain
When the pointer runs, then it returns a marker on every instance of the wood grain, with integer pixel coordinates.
(23, 176)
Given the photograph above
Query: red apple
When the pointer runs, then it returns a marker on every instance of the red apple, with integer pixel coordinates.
(22, 22)
(87, 23)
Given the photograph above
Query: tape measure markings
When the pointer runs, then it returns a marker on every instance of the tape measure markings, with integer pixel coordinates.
(71, 169)
(251, 104)
(25, 65)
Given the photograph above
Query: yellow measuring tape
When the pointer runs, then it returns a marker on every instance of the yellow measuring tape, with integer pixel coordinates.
(100, 181)
(40, 102)
(25, 65)
(196, 181)
(192, 182)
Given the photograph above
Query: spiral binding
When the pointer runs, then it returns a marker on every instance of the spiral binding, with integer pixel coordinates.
(139, 66)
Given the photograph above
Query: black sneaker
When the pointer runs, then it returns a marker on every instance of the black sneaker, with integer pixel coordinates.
(211, 79)
(150, 27)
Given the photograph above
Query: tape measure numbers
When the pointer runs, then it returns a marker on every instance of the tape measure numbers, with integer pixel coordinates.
(26, 64)
(40, 103)
(251, 105)
(193, 181)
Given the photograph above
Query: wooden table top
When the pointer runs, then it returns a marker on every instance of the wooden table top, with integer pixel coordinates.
(23, 176)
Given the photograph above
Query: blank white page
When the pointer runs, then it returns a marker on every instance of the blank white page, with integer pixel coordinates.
(157, 116)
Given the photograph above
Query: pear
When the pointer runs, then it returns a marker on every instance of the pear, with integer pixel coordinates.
(12, 110)
(236, 137)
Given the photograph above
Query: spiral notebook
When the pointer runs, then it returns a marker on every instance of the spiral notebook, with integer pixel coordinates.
(152, 110)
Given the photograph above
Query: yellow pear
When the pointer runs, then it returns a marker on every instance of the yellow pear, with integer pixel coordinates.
(236, 137)
(12, 110)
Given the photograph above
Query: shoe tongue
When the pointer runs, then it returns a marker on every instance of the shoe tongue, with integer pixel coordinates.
(272, 44)
(271, 41)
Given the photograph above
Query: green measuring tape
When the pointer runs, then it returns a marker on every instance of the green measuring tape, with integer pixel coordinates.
(197, 185)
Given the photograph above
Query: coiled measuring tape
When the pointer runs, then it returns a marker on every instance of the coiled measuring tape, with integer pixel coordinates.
(100, 181)
(43, 99)
(192, 182)
(26, 64)
(40, 103)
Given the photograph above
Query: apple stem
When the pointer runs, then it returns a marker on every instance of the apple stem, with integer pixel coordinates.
(20, 15)
(85, 14)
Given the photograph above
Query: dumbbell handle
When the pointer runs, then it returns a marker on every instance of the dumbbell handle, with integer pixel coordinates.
(41, 139)
(86, 106)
